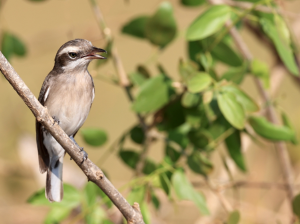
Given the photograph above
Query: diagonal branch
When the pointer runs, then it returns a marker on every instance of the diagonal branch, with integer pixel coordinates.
(131, 213)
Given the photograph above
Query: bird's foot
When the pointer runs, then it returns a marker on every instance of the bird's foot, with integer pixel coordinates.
(56, 120)
(85, 155)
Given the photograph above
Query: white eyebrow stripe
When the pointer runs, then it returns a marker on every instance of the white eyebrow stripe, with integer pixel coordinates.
(46, 94)
(70, 49)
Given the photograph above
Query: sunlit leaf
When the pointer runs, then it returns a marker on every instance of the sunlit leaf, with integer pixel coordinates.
(283, 49)
(137, 194)
(271, 131)
(248, 104)
(209, 22)
(235, 75)
(94, 136)
(261, 70)
(199, 82)
(286, 121)
(71, 199)
(234, 217)
(57, 214)
(161, 27)
(185, 191)
(231, 109)
(190, 99)
(224, 53)
(145, 212)
(153, 94)
(95, 215)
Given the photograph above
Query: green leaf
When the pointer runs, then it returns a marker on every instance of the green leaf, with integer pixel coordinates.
(224, 53)
(130, 158)
(235, 75)
(172, 153)
(231, 109)
(271, 131)
(286, 121)
(234, 217)
(190, 99)
(200, 138)
(296, 206)
(248, 104)
(137, 135)
(209, 22)
(184, 190)
(199, 164)
(155, 200)
(153, 94)
(71, 199)
(234, 147)
(179, 137)
(94, 136)
(12, 45)
(161, 27)
(137, 194)
(283, 49)
(192, 2)
(199, 82)
(261, 70)
(95, 216)
(187, 69)
(90, 192)
(57, 214)
(145, 212)
(136, 27)
(137, 78)
(165, 183)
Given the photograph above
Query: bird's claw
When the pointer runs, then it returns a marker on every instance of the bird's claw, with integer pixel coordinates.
(56, 120)
(85, 155)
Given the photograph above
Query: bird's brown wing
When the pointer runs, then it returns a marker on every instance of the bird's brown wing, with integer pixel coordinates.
(42, 151)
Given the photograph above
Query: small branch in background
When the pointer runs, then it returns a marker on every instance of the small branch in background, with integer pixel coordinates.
(260, 8)
(124, 82)
(247, 184)
(280, 146)
(131, 213)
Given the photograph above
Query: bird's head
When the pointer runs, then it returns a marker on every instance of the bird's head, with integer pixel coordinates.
(76, 55)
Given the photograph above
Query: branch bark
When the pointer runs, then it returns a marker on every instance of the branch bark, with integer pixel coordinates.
(131, 213)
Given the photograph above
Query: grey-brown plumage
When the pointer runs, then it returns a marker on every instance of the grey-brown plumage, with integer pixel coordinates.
(68, 93)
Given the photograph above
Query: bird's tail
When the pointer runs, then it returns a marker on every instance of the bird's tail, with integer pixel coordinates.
(54, 186)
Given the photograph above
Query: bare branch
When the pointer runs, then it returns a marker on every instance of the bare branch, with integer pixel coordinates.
(93, 173)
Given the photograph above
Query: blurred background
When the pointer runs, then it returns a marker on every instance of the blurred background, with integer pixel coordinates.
(43, 26)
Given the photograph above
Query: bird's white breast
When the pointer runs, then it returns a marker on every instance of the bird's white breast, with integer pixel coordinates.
(70, 99)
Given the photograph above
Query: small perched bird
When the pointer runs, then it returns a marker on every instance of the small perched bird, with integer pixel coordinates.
(68, 93)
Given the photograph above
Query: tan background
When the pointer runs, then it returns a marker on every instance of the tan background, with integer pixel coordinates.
(44, 27)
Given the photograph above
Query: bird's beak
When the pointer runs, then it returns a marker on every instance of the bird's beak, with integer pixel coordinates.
(93, 54)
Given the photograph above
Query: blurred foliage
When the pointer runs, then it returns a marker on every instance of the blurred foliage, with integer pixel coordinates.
(193, 119)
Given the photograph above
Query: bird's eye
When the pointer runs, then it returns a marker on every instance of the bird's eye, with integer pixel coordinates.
(72, 55)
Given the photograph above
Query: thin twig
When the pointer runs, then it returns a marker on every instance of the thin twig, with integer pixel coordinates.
(124, 82)
(131, 213)
(280, 146)
(260, 8)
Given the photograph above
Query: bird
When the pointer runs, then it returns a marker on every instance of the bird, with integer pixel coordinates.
(67, 92)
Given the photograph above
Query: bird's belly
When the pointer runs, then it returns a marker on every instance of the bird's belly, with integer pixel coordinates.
(71, 110)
